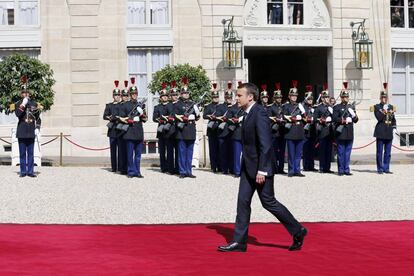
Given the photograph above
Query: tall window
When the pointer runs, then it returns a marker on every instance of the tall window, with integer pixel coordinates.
(19, 12)
(403, 83)
(142, 64)
(288, 12)
(148, 12)
(402, 13)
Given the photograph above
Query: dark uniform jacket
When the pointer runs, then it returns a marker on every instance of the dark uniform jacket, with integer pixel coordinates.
(296, 131)
(110, 114)
(212, 124)
(386, 124)
(135, 131)
(161, 110)
(188, 132)
(310, 130)
(29, 120)
(234, 124)
(257, 143)
(340, 113)
(170, 128)
(323, 128)
(223, 110)
(276, 110)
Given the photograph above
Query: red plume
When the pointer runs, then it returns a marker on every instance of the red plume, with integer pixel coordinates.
(173, 84)
(277, 85)
(345, 83)
(385, 84)
(214, 85)
(185, 80)
(325, 86)
(116, 83)
(23, 79)
(126, 83)
(239, 83)
(164, 85)
(308, 88)
(229, 85)
(133, 80)
(294, 83)
(264, 87)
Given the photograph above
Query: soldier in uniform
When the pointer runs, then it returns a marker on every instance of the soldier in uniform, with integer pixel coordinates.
(295, 133)
(28, 127)
(323, 118)
(111, 114)
(309, 151)
(264, 98)
(235, 117)
(278, 125)
(186, 113)
(170, 132)
(161, 116)
(224, 134)
(134, 115)
(384, 130)
(345, 117)
(212, 126)
(121, 129)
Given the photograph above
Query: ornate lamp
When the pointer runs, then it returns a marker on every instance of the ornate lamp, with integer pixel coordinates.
(232, 46)
(363, 54)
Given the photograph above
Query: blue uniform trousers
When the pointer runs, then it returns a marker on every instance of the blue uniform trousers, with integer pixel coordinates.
(295, 148)
(162, 151)
(237, 150)
(185, 156)
(309, 154)
(226, 155)
(214, 152)
(172, 155)
(134, 150)
(113, 143)
(344, 155)
(325, 154)
(383, 154)
(122, 156)
(26, 147)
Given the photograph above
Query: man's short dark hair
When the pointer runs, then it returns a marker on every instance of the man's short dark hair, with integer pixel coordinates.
(251, 89)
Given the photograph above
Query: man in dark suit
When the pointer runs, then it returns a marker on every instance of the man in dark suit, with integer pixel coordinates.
(258, 169)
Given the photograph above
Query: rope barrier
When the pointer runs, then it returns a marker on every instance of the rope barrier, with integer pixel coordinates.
(85, 148)
(7, 142)
(367, 145)
(401, 149)
(50, 141)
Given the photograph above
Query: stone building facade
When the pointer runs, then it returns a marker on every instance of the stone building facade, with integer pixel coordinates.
(90, 43)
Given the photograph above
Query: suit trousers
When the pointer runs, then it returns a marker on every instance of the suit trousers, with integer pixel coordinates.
(113, 143)
(122, 156)
(162, 151)
(214, 152)
(344, 155)
(226, 155)
(383, 154)
(26, 148)
(309, 154)
(267, 197)
(237, 151)
(172, 155)
(279, 145)
(325, 154)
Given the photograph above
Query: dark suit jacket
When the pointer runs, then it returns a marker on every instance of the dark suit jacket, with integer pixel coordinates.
(257, 143)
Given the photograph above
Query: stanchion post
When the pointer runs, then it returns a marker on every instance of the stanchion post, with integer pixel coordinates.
(61, 150)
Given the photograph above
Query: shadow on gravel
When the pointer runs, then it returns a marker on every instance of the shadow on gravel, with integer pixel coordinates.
(227, 233)
(366, 171)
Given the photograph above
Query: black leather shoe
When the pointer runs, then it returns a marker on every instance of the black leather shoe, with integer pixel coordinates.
(348, 173)
(130, 176)
(22, 175)
(340, 174)
(291, 175)
(331, 172)
(182, 176)
(282, 172)
(140, 176)
(236, 175)
(298, 239)
(191, 176)
(388, 172)
(233, 247)
(32, 175)
(380, 172)
(299, 174)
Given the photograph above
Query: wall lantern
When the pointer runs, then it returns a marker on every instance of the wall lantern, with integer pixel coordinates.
(232, 46)
(362, 45)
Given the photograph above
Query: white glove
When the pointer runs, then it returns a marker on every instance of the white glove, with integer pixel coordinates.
(348, 120)
(191, 117)
(25, 101)
(352, 112)
(385, 107)
(136, 119)
(298, 117)
(328, 119)
(196, 110)
(241, 119)
(37, 131)
(302, 109)
(312, 110)
(140, 111)
(330, 109)
(395, 131)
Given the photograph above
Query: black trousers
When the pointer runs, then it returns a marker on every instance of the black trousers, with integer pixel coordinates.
(267, 197)
(122, 156)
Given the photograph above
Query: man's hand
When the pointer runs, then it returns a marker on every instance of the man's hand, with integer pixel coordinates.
(37, 131)
(260, 179)
(25, 101)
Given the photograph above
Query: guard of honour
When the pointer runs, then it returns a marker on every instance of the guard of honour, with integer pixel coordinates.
(307, 129)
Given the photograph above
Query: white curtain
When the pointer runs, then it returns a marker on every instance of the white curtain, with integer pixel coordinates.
(137, 67)
(159, 12)
(136, 12)
(28, 12)
(160, 58)
(3, 11)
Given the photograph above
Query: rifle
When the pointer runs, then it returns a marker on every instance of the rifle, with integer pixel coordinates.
(308, 125)
(288, 117)
(340, 128)
(189, 110)
(123, 125)
(233, 126)
(276, 121)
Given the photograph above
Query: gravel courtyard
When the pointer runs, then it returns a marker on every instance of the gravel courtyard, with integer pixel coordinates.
(84, 195)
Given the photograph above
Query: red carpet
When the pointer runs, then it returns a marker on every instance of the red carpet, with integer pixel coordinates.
(371, 248)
